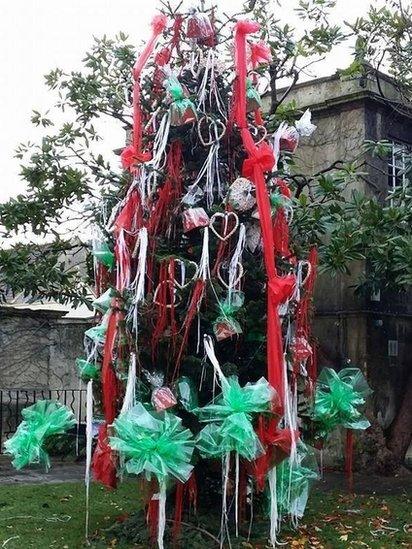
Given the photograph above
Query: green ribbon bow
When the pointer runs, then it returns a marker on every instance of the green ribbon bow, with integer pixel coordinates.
(230, 417)
(153, 444)
(293, 480)
(87, 370)
(339, 398)
(40, 421)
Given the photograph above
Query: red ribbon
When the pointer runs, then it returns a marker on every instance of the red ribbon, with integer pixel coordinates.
(104, 464)
(260, 160)
(134, 152)
(104, 467)
(277, 443)
(259, 53)
(242, 29)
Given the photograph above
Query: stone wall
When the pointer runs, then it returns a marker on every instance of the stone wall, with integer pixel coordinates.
(39, 348)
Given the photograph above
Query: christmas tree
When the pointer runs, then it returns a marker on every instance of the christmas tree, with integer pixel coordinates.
(203, 347)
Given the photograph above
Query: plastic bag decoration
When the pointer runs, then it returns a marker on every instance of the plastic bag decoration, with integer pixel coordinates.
(199, 26)
(187, 393)
(339, 398)
(103, 302)
(42, 420)
(293, 480)
(182, 110)
(154, 445)
(103, 254)
(253, 99)
(87, 369)
(226, 324)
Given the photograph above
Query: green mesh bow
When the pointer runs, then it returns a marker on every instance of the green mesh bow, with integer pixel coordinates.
(40, 421)
(293, 480)
(103, 254)
(230, 419)
(181, 106)
(339, 398)
(153, 444)
(228, 308)
(87, 370)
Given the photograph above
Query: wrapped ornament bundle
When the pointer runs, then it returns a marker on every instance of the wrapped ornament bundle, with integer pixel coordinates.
(202, 345)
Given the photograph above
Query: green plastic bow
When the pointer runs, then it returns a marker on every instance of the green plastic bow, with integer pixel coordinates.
(293, 480)
(87, 370)
(339, 398)
(153, 444)
(40, 421)
(103, 254)
(230, 419)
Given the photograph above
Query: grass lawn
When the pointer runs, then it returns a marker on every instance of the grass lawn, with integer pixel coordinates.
(52, 515)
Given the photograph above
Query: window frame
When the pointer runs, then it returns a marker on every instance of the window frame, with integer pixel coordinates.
(397, 161)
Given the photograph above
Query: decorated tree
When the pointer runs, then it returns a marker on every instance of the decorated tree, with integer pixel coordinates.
(202, 348)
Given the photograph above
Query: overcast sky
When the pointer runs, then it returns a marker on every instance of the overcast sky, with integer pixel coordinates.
(39, 35)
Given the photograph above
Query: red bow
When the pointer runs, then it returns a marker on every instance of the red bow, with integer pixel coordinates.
(130, 157)
(281, 288)
(262, 157)
(259, 53)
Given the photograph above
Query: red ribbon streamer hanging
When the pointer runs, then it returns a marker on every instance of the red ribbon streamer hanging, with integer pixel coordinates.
(260, 160)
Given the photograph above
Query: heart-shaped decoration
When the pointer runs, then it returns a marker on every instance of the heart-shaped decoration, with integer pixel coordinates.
(216, 130)
(305, 264)
(258, 132)
(239, 274)
(183, 283)
(176, 297)
(224, 218)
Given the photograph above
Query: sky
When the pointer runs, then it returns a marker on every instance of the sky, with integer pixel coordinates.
(39, 35)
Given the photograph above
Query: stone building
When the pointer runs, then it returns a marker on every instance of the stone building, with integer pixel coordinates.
(373, 332)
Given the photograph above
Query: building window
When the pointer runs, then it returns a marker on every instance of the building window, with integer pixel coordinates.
(399, 165)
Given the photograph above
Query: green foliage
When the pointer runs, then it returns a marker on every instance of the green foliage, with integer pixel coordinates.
(383, 41)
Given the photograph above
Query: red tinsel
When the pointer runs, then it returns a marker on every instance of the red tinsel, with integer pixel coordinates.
(193, 309)
(104, 462)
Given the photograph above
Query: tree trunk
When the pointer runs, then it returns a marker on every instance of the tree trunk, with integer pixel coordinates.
(400, 434)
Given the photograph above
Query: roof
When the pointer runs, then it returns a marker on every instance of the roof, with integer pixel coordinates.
(324, 93)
